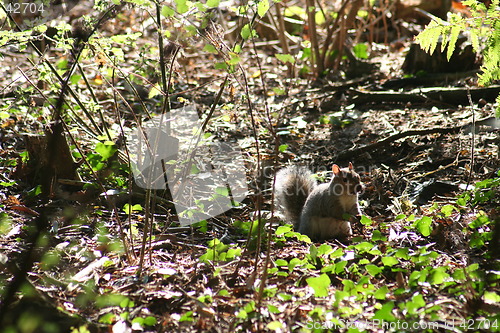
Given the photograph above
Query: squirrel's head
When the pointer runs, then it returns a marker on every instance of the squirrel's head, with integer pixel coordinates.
(347, 179)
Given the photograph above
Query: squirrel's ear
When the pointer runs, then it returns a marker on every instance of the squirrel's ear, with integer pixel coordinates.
(350, 166)
(335, 169)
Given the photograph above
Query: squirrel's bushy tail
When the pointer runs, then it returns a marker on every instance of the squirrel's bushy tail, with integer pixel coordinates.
(293, 185)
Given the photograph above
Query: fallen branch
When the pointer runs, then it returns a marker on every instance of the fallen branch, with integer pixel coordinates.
(489, 121)
(451, 96)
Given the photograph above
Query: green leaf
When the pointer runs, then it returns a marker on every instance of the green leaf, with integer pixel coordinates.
(373, 270)
(262, 7)
(138, 320)
(292, 11)
(284, 58)
(107, 300)
(213, 3)
(181, 6)
(275, 325)
(280, 262)
(167, 11)
(389, 261)
(279, 91)
(210, 48)
(247, 32)
(381, 293)
(108, 318)
(129, 209)
(366, 221)
(106, 149)
(361, 51)
(402, 253)
(439, 275)
(497, 112)
(324, 120)
(453, 37)
(424, 225)
(384, 313)
(400, 217)
(340, 266)
(221, 65)
(234, 60)
(75, 78)
(363, 247)
(416, 302)
(447, 210)
(188, 316)
(491, 297)
(320, 285)
(282, 148)
(127, 303)
(325, 249)
(283, 229)
(378, 236)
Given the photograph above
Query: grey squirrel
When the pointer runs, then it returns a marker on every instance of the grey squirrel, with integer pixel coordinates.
(319, 211)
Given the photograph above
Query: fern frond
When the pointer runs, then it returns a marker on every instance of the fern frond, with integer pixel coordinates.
(455, 31)
(474, 39)
(484, 29)
(428, 39)
(491, 63)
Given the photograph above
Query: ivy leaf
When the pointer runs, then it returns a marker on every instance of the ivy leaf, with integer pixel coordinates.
(439, 275)
(389, 261)
(373, 270)
(447, 210)
(320, 285)
(424, 226)
(384, 313)
(381, 293)
(366, 221)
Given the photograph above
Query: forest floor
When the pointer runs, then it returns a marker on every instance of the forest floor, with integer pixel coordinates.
(93, 254)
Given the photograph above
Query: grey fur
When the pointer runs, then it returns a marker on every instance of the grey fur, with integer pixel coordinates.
(293, 186)
(319, 210)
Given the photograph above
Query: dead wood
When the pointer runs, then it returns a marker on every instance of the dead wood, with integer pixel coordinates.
(429, 79)
(489, 121)
(451, 96)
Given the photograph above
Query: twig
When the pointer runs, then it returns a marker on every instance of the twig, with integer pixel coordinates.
(472, 140)
(313, 37)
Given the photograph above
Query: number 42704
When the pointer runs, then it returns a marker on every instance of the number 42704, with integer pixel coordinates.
(25, 8)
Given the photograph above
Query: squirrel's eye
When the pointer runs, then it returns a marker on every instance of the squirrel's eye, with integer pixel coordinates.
(344, 179)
